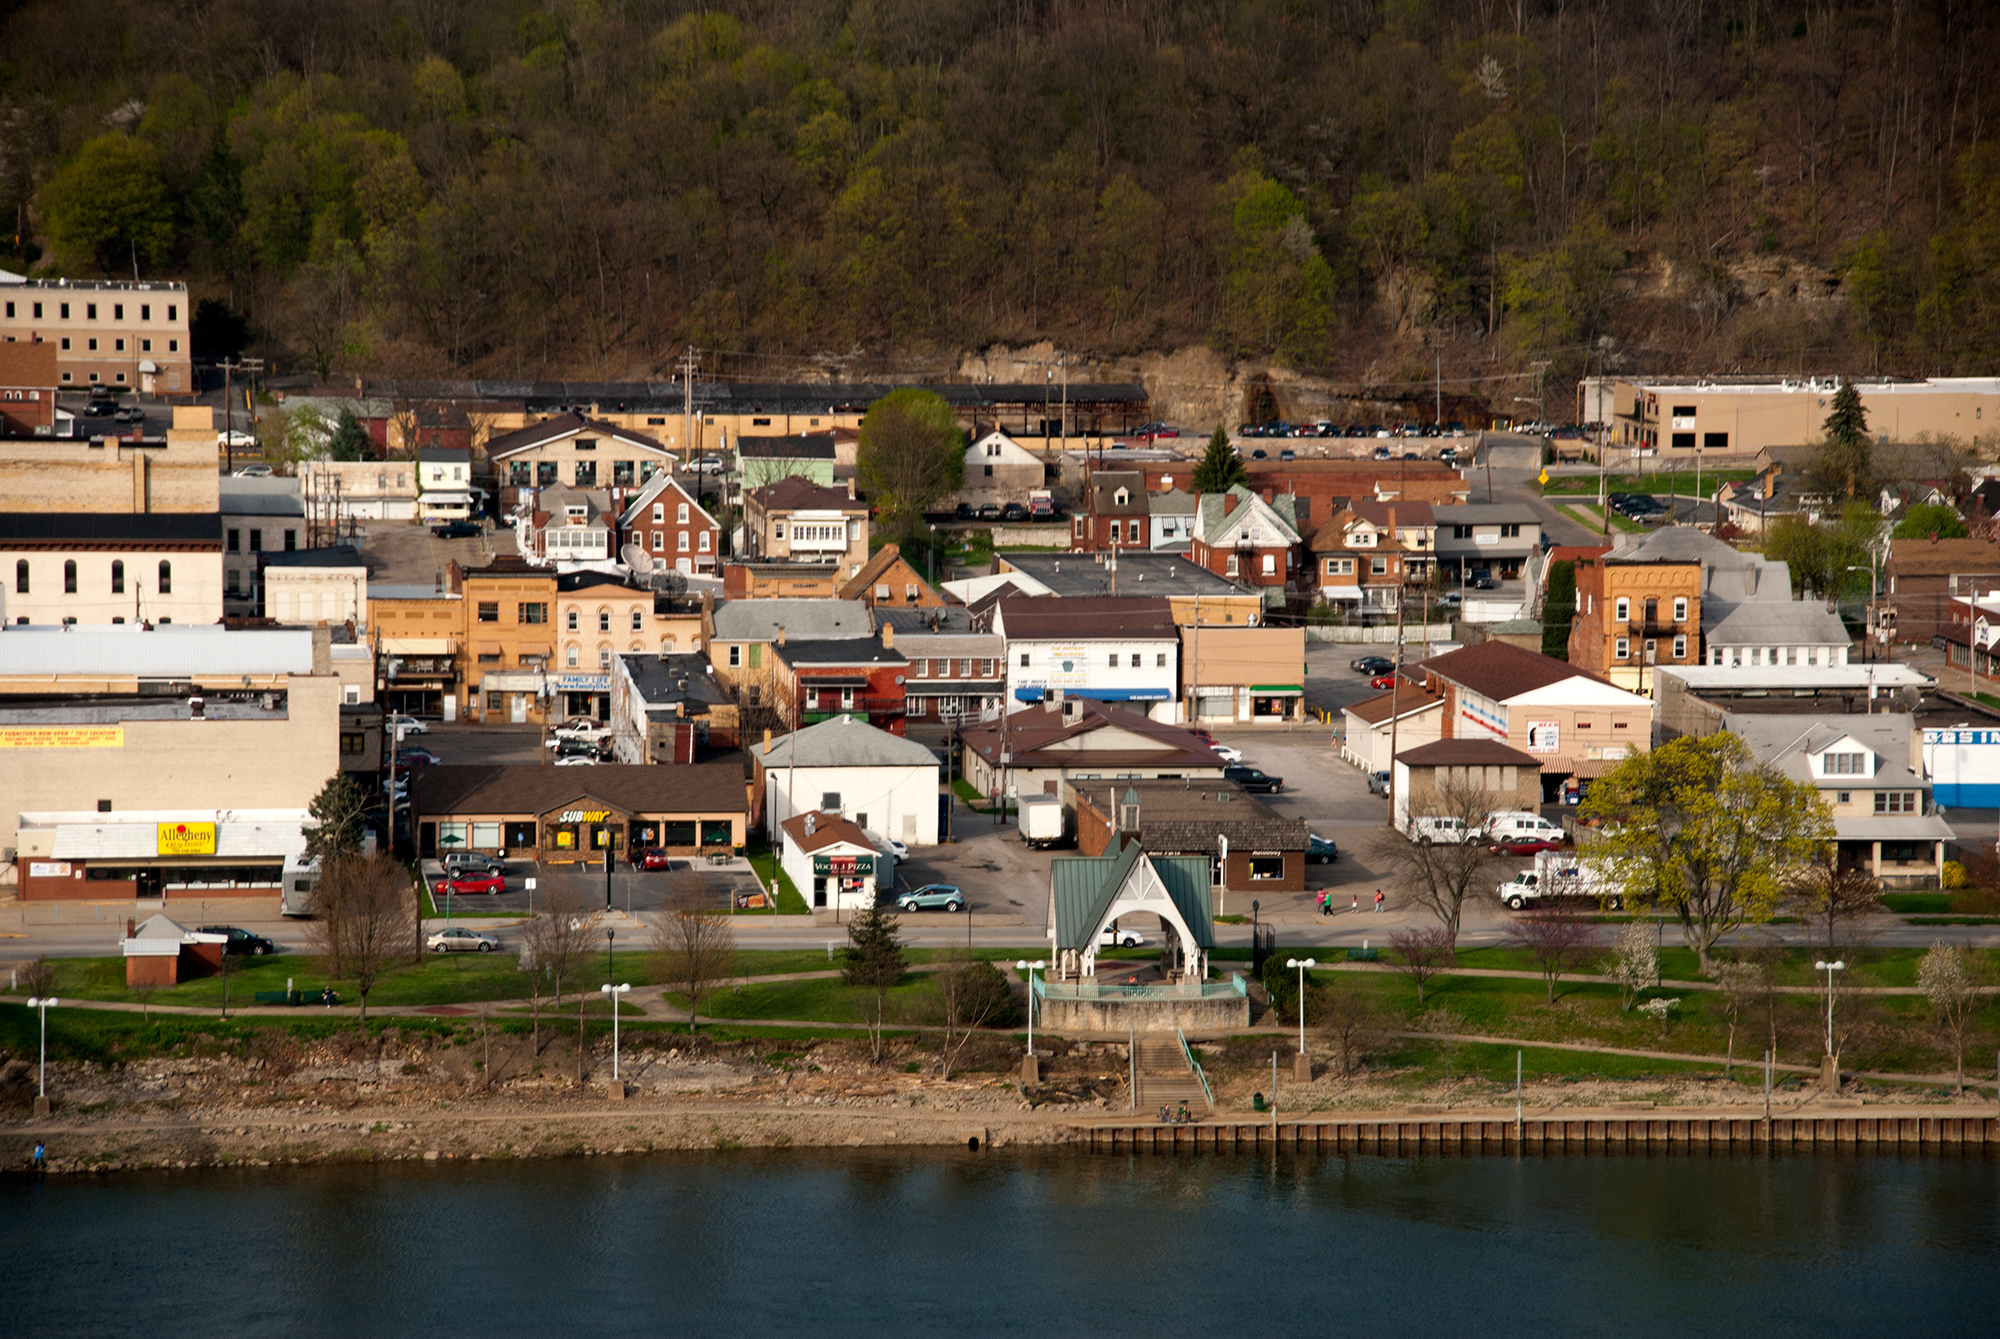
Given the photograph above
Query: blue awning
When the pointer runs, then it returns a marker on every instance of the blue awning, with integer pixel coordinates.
(1120, 694)
(1028, 694)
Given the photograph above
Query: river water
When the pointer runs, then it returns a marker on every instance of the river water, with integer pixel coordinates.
(1015, 1241)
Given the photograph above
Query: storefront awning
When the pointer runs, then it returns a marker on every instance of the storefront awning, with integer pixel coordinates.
(418, 646)
(1341, 592)
(511, 683)
(1120, 694)
(488, 648)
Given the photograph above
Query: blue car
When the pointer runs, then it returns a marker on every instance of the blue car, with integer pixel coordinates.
(1320, 850)
(932, 897)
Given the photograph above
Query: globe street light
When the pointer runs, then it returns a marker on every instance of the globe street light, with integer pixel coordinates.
(1829, 968)
(1302, 964)
(42, 1079)
(611, 992)
(1030, 968)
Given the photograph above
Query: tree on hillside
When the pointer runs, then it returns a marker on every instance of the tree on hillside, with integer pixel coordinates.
(1699, 827)
(349, 440)
(1844, 463)
(108, 205)
(910, 458)
(1933, 520)
(337, 815)
(1220, 466)
(874, 961)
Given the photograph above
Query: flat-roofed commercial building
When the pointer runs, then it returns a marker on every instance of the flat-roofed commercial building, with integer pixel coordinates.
(109, 332)
(575, 814)
(160, 763)
(1739, 418)
(97, 567)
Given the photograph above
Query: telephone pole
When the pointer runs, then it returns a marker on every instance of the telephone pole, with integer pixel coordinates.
(690, 360)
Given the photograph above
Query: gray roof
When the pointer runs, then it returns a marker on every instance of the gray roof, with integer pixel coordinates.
(1769, 623)
(1140, 572)
(1173, 502)
(1486, 513)
(843, 741)
(802, 620)
(339, 555)
(392, 590)
(1787, 742)
(179, 650)
(838, 651)
(663, 681)
(928, 619)
(1729, 577)
(260, 497)
(445, 455)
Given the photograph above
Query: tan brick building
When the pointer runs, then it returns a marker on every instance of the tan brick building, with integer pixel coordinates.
(1634, 614)
(111, 332)
(509, 642)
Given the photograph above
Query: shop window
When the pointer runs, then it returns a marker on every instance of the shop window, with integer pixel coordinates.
(486, 836)
(717, 832)
(586, 474)
(117, 578)
(452, 836)
(69, 577)
(495, 702)
(1267, 867)
(21, 577)
(489, 611)
(545, 473)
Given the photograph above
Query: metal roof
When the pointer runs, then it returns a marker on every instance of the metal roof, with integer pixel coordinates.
(803, 620)
(1083, 889)
(172, 651)
(843, 741)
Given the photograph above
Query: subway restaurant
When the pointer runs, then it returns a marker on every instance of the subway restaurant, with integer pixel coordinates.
(563, 815)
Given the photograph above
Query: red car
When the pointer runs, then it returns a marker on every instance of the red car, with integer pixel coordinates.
(656, 859)
(1525, 846)
(1383, 681)
(472, 881)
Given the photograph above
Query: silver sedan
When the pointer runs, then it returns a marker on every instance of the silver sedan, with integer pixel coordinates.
(458, 939)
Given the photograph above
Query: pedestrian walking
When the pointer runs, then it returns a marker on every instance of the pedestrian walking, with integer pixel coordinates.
(1357, 903)
(1379, 899)
(1326, 904)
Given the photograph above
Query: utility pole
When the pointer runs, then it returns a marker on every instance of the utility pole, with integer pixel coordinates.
(1437, 408)
(228, 417)
(689, 361)
(1395, 697)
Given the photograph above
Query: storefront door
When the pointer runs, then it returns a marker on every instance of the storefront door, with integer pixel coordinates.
(517, 708)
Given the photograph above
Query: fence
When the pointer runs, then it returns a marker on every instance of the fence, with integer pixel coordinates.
(1377, 634)
(1186, 990)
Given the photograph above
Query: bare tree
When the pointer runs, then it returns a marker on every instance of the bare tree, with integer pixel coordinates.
(1833, 901)
(971, 994)
(694, 942)
(1558, 938)
(366, 907)
(1423, 953)
(1440, 875)
(562, 938)
(1949, 977)
(1635, 962)
(1347, 1017)
(38, 977)
(1740, 983)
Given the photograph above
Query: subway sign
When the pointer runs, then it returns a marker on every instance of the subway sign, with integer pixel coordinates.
(585, 816)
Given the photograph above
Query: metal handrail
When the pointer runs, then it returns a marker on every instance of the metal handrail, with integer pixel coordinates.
(1188, 990)
(1208, 1094)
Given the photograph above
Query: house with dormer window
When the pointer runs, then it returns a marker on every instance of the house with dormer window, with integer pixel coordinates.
(566, 525)
(999, 470)
(1241, 536)
(664, 521)
(1115, 514)
(1367, 552)
(1870, 771)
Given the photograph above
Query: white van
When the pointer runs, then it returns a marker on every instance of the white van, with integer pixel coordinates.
(1430, 828)
(1516, 826)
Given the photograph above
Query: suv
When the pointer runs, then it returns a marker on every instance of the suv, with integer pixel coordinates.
(240, 941)
(1254, 779)
(469, 862)
(1013, 511)
(572, 747)
(458, 530)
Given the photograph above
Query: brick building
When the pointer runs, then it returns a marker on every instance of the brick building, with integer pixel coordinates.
(667, 523)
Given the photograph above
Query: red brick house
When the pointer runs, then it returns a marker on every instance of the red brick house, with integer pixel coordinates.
(667, 523)
(814, 680)
(1115, 514)
(27, 388)
(1240, 536)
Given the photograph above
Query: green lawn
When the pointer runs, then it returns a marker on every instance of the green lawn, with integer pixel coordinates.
(1682, 481)
(1595, 519)
(828, 1000)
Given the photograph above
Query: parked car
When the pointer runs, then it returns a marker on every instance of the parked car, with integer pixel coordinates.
(472, 862)
(890, 847)
(1288, 454)
(582, 727)
(240, 941)
(1226, 753)
(655, 858)
(578, 761)
(932, 897)
(1320, 850)
(1013, 511)
(1483, 581)
(1383, 681)
(1372, 664)
(1113, 937)
(458, 530)
(1381, 453)
(1436, 828)
(1524, 845)
(234, 440)
(417, 758)
(247, 472)
(406, 725)
(104, 409)
(1258, 454)
(1378, 783)
(458, 939)
(467, 882)
(573, 746)
(963, 511)
(1254, 779)
(1518, 826)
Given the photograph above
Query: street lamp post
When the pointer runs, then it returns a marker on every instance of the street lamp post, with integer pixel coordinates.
(43, 1004)
(1301, 964)
(1031, 968)
(613, 993)
(610, 951)
(1832, 1065)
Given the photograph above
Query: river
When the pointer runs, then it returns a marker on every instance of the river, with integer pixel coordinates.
(896, 1241)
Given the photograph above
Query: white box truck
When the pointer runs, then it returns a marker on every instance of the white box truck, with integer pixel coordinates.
(1042, 821)
(1556, 875)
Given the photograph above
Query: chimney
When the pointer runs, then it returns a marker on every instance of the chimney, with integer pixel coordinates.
(781, 634)
(1229, 504)
(767, 739)
(888, 636)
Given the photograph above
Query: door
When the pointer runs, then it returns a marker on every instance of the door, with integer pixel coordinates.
(517, 708)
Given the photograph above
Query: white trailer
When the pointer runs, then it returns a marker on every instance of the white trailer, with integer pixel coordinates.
(1042, 821)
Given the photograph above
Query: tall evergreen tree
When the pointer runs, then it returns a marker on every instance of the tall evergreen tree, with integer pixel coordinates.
(350, 439)
(338, 813)
(1220, 466)
(1845, 461)
(874, 961)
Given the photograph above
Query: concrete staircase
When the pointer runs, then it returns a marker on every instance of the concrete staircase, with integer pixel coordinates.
(1166, 1079)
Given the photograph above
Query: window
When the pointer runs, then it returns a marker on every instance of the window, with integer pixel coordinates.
(1624, 611)
(91, 344)
(604, 620)
(920, 669)
(229, 540)
(1844, 764)
(569, 621)
(683, 544)
(1160, 660)
(1680, 611)
(1715, 441)
(118, 346)
(518, 474)
(1231, 566)
(637, 620)
(659, 513)
(145, 346)
(173, 346)
(117, 578)
(1132, 532)
(604, 657)
(703, 544)
(659, 541)
(1895, 801)
(545, 473)
(1114, 660)
(989, 471)
(1624, 648)
(569, 655)
(681, 514)
(1680, 648)
(1340, 567)
(535, 612)
(778, 530)
(65, 343)
(1683, 441)
(1512, 530)
(145, 311)
(291, 541)
(90, 311)
(166, 586)
(586, 474)
(62, 311)
(173, 312)
(621, 474)
(1378, 566)
(1270, 563)
(1267, 867)
(234, 582)
(1843, 797)
(735, 656)
(1135, 660)
(256, 541)
(489, 611)
(69, 577)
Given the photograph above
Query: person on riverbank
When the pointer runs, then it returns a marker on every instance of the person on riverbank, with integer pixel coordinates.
(41, 1158)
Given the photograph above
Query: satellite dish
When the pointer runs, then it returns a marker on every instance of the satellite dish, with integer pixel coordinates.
(636, 558)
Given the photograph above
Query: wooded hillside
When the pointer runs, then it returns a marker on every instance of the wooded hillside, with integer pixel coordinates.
(576, 187)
